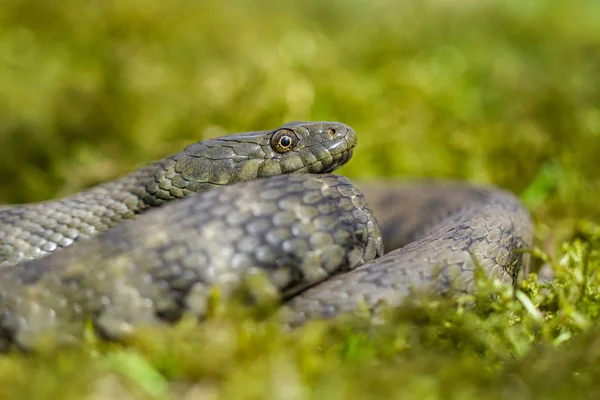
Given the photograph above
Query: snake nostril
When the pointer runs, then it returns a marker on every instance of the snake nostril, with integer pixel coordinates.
(331, 132)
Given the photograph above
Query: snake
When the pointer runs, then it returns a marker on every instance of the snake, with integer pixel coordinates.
(257, 216)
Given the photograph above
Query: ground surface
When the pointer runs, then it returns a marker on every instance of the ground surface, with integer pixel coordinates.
(502, 92)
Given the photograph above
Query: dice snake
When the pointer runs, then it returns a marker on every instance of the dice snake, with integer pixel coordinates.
(258, 213)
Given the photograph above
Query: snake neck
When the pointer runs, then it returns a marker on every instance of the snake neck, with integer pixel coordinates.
(147, 187)
(32, 230)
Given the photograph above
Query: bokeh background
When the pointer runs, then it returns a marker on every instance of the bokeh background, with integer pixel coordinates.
(495, 91)
(492, 91)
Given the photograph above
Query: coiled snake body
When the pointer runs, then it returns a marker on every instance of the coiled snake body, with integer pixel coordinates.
(303, 236)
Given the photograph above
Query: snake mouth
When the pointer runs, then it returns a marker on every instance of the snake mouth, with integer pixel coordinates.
(339, 160)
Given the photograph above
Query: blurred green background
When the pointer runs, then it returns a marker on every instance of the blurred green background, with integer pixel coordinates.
(502, 92)
(492, 91)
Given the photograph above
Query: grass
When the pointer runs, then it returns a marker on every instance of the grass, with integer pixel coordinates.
(498, 91)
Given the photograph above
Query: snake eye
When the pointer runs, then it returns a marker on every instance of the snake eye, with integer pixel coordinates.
(283, 140)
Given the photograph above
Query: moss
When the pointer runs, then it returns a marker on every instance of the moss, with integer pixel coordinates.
(501, 92)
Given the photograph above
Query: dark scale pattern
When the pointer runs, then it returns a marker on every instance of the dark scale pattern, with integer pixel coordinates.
(34, 230)
(145, 271)
(446, 230)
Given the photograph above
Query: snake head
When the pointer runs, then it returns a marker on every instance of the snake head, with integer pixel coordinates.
(315, 147)
(296, 147)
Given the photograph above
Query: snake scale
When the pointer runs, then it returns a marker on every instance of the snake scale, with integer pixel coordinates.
(298, 235)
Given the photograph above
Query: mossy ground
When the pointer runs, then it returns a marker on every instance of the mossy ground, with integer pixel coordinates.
(502, 92)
